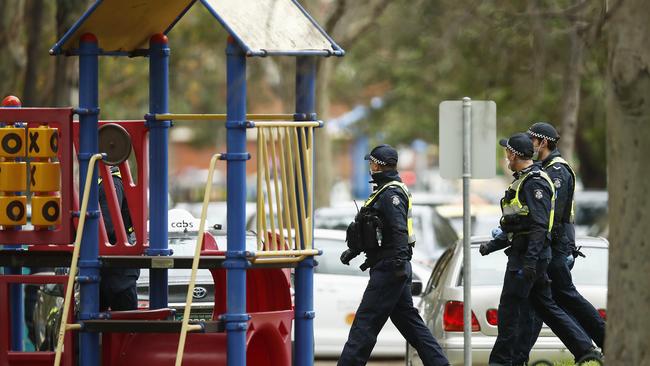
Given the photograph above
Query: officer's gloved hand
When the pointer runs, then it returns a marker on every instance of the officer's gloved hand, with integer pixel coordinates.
(347, 256)
(575, 252)
(484, 249)
(570, 261)
(530, 273)
(498, 234)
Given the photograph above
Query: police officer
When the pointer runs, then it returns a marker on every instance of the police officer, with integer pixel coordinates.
(564, 251)
(383, 230)
(117, 288)
(527, 219)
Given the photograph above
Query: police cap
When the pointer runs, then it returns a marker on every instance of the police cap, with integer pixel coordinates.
(543, 130)
(383, 155)
(519, 144)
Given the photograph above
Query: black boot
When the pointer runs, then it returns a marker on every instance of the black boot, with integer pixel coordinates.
(592, 355)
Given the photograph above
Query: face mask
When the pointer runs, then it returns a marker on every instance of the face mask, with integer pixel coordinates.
(510, 164)
(536, 153)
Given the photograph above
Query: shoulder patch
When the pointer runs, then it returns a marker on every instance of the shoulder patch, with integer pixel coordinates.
(557, 167)
(538, 194)
(395, 199)
(557, 182)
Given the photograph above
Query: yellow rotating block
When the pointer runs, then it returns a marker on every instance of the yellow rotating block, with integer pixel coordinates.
(45, 177)
(12, 142)
(13, 210)
(46, 210)
(13, 177)
(42, 142)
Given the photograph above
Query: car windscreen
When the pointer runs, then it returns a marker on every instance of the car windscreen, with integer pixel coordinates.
(488, 270)
(330, 263)
(590, 271)
(333, 218)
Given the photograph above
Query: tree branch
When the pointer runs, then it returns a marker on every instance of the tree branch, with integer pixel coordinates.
(377, 11)
(559, 13)
(335, 17)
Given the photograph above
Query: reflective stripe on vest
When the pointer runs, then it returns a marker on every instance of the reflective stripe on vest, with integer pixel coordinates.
(515, 207)
(560, 160)
(116, 173)
(409, 213)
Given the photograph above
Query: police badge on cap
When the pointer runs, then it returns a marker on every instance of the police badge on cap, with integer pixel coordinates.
(383, 155)
(519, 144)
(543, 130)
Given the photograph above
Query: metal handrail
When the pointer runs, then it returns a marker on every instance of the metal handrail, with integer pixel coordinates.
(195, 265)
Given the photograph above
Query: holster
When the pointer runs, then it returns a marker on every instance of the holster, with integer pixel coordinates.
(364, 234)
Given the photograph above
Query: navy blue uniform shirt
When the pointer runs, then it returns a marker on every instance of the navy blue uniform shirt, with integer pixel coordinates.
(536, 193)
(563, 229)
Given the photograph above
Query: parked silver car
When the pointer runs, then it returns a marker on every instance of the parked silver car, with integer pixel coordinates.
(442, 301)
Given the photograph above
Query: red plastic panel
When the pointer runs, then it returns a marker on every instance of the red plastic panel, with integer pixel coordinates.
(268, 343)
(267, 289)
(156, 314)
(11, 358)
(136, 194)
(60, 118)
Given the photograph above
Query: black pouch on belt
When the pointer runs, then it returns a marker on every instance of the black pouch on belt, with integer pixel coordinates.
(400, 268)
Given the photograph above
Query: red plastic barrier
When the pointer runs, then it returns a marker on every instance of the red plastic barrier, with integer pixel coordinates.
(136, 193)
(268, 343)
(12, 358)
(269, 330)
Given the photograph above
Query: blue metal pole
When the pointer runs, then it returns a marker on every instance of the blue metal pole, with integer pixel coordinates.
(158, 165)
(236, 318)
(89, 252)
(304, 280)
(17, 297)
(360, 175)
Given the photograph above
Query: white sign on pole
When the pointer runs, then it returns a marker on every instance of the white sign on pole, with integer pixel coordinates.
(483, 139)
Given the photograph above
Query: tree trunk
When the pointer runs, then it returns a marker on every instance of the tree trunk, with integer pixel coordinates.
(323, 170)
(65, 75)
(628, 116)
(12, 60)
(539, 34)
(571, 99)
(34, 24)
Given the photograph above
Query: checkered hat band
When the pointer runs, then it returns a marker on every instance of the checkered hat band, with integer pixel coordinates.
(540, 136)
(513, 150)
(377, 161)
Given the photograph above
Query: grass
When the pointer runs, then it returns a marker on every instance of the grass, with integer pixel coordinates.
(570, 363)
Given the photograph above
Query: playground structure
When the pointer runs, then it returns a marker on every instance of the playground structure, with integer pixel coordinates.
(253, 314)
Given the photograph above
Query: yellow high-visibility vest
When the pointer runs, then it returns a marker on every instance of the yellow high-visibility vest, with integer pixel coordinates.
(560, 160)
(515, 207)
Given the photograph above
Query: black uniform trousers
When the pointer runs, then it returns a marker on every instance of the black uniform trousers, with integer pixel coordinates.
(389, 295)
(517, 293)
(569, 299)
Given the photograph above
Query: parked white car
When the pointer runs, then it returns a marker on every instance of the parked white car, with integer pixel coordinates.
(433, 233)
(442, 301)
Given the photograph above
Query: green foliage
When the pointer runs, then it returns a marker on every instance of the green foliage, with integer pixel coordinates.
(414, 54)
(423, 52)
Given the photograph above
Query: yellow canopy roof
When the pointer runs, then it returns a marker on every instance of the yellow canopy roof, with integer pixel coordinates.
(262, 27)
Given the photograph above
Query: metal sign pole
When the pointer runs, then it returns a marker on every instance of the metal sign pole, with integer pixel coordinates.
(467, 280)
